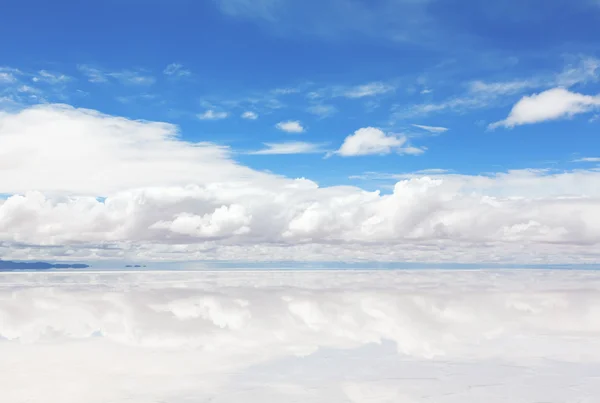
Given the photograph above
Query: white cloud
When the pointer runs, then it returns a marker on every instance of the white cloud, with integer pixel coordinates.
(50, 78)
(111, 153)
(176, 70)
(432, 129)
(211, 114)
(410, 150)
(127, 77)
(93, 74)
(130, 77)
(290, 126)
(250, 115)
(6, 77)
(371, 140)
(290, 147)
(28, 89)
(337, 337)
(224, 221)
(501, 88)
(322, 110)
(552, 104)
(588, 159)
(368, 90)
(585, 70)
(167, 199)
(482, 94)
(285, 91)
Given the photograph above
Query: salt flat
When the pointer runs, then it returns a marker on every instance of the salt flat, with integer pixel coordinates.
(443, 336)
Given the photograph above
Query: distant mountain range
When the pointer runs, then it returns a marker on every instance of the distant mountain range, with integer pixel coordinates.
(7, 265)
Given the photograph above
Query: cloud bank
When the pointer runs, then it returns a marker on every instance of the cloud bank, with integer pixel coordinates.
(83, 185)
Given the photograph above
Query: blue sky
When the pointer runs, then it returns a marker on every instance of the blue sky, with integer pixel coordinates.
(306, 62)
(420, 126)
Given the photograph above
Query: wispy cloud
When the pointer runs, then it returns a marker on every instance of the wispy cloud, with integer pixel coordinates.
(291, 147)
(9, 74)
(176, 70)
(482, 94)
(367, 90)
(588, 159)
(21, 87)
(399, 21)
(432, 129)
(130, 77)
(136, 98)
(250, 115)
(290, 126)
(52, 78)
(501, 88)
(93, 74)
(28, 89)
(322, 110)
(584, 70)
(6, 77)
(285, 91)
(127, 77)
(211, 114)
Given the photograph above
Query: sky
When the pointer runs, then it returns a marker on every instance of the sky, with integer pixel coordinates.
(278, 130)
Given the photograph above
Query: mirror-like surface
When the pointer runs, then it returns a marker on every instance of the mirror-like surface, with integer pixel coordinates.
(400, 336)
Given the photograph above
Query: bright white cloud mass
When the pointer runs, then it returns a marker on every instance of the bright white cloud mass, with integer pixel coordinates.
(165, 198)
(553, 104)
(338, 337)
(291, 126)
(371, 140)
(250, 115)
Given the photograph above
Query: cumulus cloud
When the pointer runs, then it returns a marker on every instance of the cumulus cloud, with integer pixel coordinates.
(290, 126)
(163, 198)
(111, 154)
(552, 104)
(250, 115)
(371, 140)
(300, 336)
(212, 114)
(224, 221)
(290, 147)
